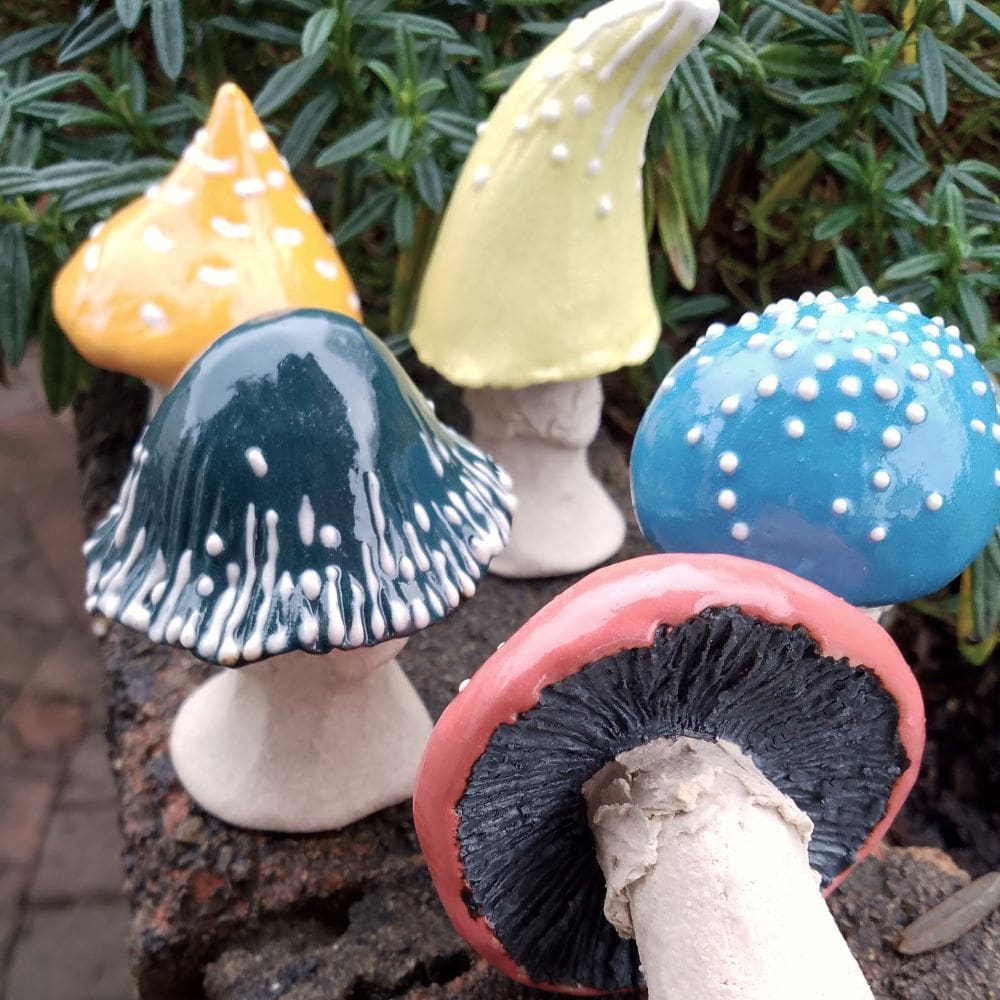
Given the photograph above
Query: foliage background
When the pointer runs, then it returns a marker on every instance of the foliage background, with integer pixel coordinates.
(834, 145)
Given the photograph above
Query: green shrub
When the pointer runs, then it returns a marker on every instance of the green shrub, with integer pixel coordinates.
(799, 146)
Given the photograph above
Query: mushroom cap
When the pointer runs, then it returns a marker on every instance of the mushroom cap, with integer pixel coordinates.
(295, 491)
(711, 646)
(227, 236)
(540, 271)
(850, 440)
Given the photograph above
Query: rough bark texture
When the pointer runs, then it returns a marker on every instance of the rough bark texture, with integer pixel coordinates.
(225, 913)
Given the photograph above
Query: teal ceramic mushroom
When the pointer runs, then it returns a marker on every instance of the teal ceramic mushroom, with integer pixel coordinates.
(295, 494)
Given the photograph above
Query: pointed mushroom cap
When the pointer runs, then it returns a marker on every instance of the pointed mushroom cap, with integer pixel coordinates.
(540, 272)
(295, 491)
(850, 440)
(227, 236)
(711, 646)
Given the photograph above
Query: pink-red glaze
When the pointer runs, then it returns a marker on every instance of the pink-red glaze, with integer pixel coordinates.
(620, 607)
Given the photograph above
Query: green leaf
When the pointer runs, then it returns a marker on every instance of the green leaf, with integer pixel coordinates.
(354, 143)
(975, 312)
(970, 74)
(851, 272)
(385, 73)
(859, 40)
(956, 10)
(285, 83)
(986, 589)
(914, 267)
(406, 56)
(91, 36)
(25, 43)
(257, 29)
(800, 62)
(430, 184)
(167, 20)
(694, 77)
(803, 137)
(809, 17)
(308, 124)
(415, 24)
(403, 216)
(369, 212)
(675, 235)
(15, 181)
(987, 16)
(15, 293)
(43, 87)
(907, 95)
(61, 366)
(502, 79)
(932, 74)
(317, 31)
(400, 132)
(893, 129)
(846, 166)
(453, 125)
(129, 12)
(954, 206)
(836, 222)
(830, 95)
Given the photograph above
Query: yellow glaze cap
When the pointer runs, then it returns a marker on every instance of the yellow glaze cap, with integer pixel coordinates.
(226, 237)
(540, 272)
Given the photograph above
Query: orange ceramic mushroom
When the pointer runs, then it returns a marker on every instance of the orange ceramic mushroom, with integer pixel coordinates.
(226, 237)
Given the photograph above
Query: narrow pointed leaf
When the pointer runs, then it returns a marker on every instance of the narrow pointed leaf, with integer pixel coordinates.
(15, 293)
(24, 43)
(803, 137)
(354, 143)
(167, 20)
(286, 83)
(932, 75)
(129, 12)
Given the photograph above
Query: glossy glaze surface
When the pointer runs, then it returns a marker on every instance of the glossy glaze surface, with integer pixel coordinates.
(852, 441)
(294, 490)
(616, 608)
(540, 272)
(227, 236)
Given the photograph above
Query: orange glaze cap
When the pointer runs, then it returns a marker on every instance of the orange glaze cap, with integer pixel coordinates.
(615, 608)
(226, 237)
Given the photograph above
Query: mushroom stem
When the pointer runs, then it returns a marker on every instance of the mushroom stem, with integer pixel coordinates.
(707, 869)
(300, 742)
(565, 520)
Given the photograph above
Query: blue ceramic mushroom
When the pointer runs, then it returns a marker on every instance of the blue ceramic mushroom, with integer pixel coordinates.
(850, 440)
(295, 494)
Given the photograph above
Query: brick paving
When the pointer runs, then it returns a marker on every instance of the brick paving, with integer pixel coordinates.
(63, 917)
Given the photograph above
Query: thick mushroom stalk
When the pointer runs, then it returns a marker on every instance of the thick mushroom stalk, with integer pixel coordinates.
(302, 744)
(707, 868)
(565, 521)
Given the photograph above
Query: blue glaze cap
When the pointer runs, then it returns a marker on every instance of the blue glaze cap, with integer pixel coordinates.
(849, 440)
(295, 491)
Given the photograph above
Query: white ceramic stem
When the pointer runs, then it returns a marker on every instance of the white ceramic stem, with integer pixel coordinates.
(707, 868)
(565, 521)
(301, 743)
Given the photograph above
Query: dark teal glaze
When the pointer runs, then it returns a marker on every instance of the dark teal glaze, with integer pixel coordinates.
(347, 513)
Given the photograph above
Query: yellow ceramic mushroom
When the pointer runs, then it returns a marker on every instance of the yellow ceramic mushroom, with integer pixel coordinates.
(226, 237)
(539, 281)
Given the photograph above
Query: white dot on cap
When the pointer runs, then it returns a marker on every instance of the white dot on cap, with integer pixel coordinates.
(703, 362)
(794, 428)
(749, 320)
(996, 476)
(920, 372)
(353, 301)
(952, 331)
(730, 405)
(767, 386)
(934, 501)
(886, 388)
(945, 367)
(715, 330)
(892, 437)
(807, 389)
(326, 269)
(480, 175)
(288, 236)
(839, 506)
(152, 315)
(729, 462)
(550, 111)
(522, 123)
(900, 338)
(92, 257)
(276, 178)
(740, 531)
(930, 349)
(824, 336)
(582, 104)
(863, 355)
(824, 362)
(560, 152)
(955, 350)
(784, 348)
(257, 139)
(996, 433)
(727, 500)
(887, 352)
(214, 544)
(850, 385)
(604, 206)
(808, 323)
(910, 307)
(979, 388)
(693, 436)
(897, 316)
(668, 383)
(807, 298)
(844, 420)
(756, 340)
(916, 413)
(877, 534)
(847, 334)
(881, 479)
(978, 426)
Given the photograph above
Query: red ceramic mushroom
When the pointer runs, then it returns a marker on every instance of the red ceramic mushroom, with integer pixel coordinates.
(688, 660)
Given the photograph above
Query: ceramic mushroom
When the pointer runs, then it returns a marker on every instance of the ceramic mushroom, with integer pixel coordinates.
(294, 494)
(226, 237)
(539, 281)
(850, 440)
(681, 750)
